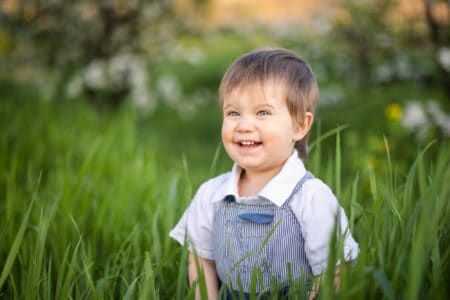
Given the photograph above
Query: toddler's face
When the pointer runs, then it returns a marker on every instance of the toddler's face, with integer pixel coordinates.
(258, 131)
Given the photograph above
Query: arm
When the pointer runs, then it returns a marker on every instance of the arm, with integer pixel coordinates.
(320, 216)
(208, 267)
(315, 287)
(314, 292)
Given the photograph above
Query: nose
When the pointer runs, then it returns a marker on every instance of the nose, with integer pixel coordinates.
(245, 124)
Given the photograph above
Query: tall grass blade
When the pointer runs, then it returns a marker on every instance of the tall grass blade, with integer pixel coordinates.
(182, 274)
(131, 289)
(64, 282)
(268, 236)
(213, 167)
(149, 287)
(383, 282)
(326, 135)
(18, 239)
(34, 278)
(391, 183)
(337, 170)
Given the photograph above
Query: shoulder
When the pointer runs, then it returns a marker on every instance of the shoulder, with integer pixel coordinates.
(196, 224)
(215, 188)
(314, 197)
(316, 188)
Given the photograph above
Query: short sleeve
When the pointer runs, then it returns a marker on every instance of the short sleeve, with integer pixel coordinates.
(195, 225)
(317, 211)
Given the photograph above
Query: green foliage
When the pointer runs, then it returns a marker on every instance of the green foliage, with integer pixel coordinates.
(88, 199)
(378, 42)
(89, 227)
(98, 49)
(92, 29)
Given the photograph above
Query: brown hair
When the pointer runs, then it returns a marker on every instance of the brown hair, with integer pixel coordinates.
(284, 66)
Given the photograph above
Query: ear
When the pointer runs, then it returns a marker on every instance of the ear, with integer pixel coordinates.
(303, 128)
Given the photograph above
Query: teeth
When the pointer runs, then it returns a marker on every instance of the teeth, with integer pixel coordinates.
(247, 143)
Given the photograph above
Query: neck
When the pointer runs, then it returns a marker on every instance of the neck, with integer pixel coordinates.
(251, 183)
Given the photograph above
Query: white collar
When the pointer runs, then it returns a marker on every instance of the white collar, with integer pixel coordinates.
(279, 188)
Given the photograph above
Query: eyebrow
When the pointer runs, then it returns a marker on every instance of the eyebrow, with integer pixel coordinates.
(227, 106)
(259, 106)
(266, 105)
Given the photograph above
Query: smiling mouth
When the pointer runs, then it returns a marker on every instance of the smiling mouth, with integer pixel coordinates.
(248, 143)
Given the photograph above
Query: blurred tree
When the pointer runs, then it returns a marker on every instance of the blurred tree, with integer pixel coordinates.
(380, 44)
(101, 47)
(439, 33)
(364, 35)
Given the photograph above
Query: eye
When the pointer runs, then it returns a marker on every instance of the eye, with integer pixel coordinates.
(232, 113)
(263, 113)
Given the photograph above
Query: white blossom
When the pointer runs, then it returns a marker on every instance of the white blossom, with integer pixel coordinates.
(419, 118)
(194, 56)
(403, 67)
(443, 57)
(74, 86)
(169, 90)
(384, 72)
(439, 117)
(122, 71)
(95, 75)
(415, 119)
(322, 24)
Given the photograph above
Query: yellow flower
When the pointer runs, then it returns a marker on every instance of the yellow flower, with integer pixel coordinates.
(372, 162)
(393, 112)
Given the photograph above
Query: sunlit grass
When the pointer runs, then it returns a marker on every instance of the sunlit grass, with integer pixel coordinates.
(87, 202)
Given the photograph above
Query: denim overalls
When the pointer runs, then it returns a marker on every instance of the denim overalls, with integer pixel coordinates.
(261, 240)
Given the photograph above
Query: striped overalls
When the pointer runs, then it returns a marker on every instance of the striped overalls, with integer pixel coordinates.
(259, 240)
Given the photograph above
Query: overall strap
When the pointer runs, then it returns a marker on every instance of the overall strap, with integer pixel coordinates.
(299, 185)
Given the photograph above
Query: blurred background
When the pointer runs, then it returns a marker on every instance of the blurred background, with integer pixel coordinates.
(383, 66)
(110, 119)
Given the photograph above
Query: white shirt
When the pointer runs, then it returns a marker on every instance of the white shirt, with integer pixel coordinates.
(315, 208)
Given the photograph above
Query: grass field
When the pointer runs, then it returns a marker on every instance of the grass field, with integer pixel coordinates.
(87, 200)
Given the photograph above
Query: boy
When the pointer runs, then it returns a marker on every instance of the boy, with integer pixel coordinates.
(268, 216)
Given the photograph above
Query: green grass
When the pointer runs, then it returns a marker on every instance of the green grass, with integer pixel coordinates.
(87, 200)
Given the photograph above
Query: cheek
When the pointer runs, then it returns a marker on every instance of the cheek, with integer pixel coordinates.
(225, 131)
(227, 138)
